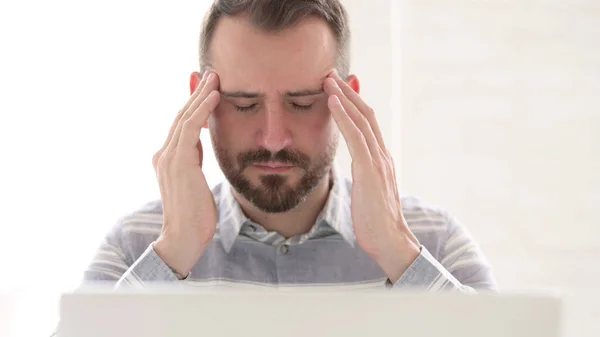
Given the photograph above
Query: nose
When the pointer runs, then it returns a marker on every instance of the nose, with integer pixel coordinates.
(274, 134)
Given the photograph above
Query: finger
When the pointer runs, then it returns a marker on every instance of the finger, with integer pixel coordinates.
(210, 84)
(198, 90)
(357, 145)
(183, 110)
(395, 181)
(332, 88)
(365, 110)
(190, 133)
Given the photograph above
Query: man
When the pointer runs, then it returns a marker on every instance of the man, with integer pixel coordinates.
(275, 94)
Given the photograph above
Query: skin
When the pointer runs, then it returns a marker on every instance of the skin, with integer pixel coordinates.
(275, 123)
(274, 73)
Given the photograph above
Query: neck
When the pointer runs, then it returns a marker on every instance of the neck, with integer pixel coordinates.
(296, 221)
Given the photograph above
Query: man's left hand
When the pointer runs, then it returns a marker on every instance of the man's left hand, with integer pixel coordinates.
(379, 225)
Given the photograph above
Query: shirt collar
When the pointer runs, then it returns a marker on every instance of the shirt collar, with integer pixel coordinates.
(335, 214)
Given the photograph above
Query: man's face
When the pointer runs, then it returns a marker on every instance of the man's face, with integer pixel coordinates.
(272, 132)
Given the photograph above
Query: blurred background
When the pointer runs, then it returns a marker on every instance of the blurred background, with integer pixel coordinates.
(491, 109)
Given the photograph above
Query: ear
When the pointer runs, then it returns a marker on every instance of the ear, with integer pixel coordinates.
(195, 79)
(353, 82)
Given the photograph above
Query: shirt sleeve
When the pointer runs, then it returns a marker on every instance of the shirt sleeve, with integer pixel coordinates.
(112, 266)
(459, 265)
(149, 267)
(426, 273)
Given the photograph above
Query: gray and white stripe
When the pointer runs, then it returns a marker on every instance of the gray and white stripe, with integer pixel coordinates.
(243, 254)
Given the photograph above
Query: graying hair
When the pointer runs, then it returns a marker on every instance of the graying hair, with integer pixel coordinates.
(276, 15)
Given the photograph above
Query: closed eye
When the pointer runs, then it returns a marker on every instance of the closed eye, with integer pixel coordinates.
(299, 107)
(246, 108)
(302, 107)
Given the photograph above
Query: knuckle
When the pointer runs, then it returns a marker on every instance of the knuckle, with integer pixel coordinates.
(164, 161)
(188, 124)
(156, 158)
(370, 111)
(167, 157)
(361, 137)
(364, 121)
(378, 164)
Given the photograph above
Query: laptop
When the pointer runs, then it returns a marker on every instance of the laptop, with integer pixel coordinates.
(154, 313)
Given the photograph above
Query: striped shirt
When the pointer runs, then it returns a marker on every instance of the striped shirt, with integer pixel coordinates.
(244, 254)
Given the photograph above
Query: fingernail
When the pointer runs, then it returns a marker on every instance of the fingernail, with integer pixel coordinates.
(335, 73)
(205, 73)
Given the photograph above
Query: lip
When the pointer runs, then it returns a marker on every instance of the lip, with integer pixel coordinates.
(273, 167)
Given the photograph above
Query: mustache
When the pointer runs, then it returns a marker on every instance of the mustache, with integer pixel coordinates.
(285, 156)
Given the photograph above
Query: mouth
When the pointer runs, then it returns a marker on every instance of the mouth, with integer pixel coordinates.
(273, 167)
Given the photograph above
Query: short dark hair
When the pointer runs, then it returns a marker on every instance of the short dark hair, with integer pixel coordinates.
(276, 15)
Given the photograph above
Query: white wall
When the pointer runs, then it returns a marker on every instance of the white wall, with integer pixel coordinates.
(371, 60)
(88, 94)
(500, 125)
(489, 106)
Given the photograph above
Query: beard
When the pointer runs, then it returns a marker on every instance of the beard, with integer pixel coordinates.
(274, 194)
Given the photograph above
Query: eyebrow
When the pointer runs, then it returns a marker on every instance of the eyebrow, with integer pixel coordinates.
(245, 94)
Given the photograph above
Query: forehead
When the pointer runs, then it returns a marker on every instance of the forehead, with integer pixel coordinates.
(297, 58)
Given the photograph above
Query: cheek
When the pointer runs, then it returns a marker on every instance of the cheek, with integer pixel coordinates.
(229, 129)
(323, 123)
(316, 130)
(221, 126)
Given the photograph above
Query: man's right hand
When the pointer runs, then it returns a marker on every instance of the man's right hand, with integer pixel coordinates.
(189, 211)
